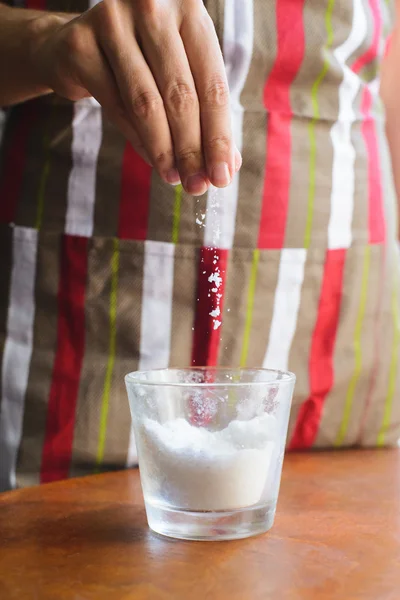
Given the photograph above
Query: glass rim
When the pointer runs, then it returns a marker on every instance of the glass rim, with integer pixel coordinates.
(136, 378)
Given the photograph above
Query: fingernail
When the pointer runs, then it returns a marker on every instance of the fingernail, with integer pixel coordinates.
(221, 176)
(238, 160)
(173, 177)
(196, 185)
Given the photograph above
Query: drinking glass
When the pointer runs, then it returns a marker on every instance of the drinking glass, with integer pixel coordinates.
(211, 443)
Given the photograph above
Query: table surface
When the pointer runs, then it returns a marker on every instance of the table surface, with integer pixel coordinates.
(336, 536)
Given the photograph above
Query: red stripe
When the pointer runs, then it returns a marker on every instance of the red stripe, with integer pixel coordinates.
(135, 196)
(68, 361)
(206, 339)
(36, 4)
(376, 216)
(322, 349)
(372, 51)
(291, 48)
(14, 163)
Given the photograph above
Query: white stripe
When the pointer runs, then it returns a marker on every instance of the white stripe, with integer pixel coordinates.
(86, 141)
(17, 351)
(157, 295)
(238, 49)
(286, 308)
(342, 196)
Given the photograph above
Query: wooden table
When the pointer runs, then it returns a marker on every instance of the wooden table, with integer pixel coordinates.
(337, 536)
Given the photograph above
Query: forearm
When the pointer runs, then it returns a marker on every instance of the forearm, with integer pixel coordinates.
(21, 33)
(390, 92)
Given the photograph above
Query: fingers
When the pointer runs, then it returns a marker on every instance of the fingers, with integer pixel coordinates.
(206, 63)
(93, 73)
(175, 82)
(123, 124)
(166, 89)
(141, 98)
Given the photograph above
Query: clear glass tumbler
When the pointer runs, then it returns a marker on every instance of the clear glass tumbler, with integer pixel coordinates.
(210, 443)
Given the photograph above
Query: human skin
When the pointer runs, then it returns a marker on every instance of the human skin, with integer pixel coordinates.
(155, 66)
(390, 92)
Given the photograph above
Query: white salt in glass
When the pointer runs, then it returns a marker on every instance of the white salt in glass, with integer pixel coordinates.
(211, 444)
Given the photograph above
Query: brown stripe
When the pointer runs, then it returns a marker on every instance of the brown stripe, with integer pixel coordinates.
(263, 308)
(264, 52)
(322, 178)
(33, 171)
(6, 261)
(251, 182)
(108, 181)
(51, 195)
(239, 273)
(97, 343)
(41, 367)
(248, 307)
(192, 219)
(300, 351)
(375, 414)
(392, 435)
(183, 305)
(313, 68)
(129, 311)
(161, 210)
(299, 185)
(87, 424)
(360, 227)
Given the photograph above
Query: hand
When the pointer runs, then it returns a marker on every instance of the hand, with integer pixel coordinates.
(156, 68)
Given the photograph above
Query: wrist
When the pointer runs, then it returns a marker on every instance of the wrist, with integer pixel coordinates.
(39, 31)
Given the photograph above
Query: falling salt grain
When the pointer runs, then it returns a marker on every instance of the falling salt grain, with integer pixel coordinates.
(216, 278)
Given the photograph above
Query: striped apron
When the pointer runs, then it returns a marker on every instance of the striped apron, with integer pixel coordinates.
(104, 270)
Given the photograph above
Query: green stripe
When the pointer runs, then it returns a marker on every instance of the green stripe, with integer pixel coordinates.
(111, 354)
(393, 367)
(325, 67)
(311, 127)
(311, 188)
(177, 214)
(357, 350)
(250, 306)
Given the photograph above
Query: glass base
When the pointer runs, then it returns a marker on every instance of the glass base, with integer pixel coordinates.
(210, 526)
